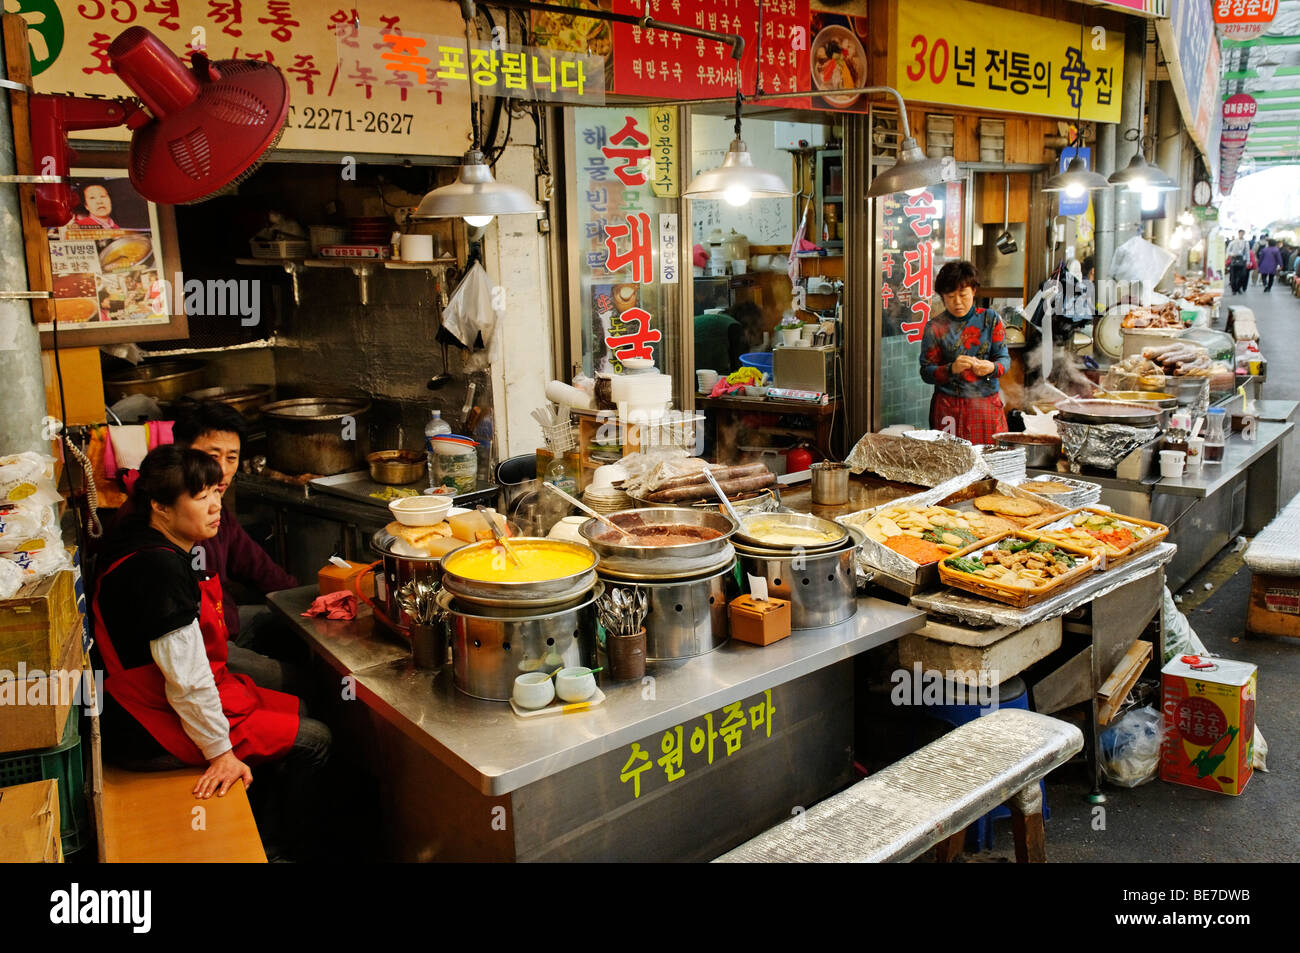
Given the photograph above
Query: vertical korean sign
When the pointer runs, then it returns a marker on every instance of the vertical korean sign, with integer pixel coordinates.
(624, 233)
(342, 95)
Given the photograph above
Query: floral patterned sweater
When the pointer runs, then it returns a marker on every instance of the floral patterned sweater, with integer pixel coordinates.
(980, 334)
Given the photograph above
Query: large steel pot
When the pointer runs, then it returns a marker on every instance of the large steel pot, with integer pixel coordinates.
(1108, 412)
(686, 617)
(490, 652)
(395, 572)
(323, 435)
(1040, 450)
(821, 587)
(164, 380)
(642, 523)
(793, 521)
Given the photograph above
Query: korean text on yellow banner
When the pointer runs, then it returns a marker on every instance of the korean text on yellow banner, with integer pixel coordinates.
(972, 54)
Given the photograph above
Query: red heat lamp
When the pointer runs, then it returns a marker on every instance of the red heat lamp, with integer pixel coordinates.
(206, 130)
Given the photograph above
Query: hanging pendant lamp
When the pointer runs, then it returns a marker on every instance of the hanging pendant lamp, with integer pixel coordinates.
(1138, 176)
(737, 180)
(1076, 180)
(476, 196)
(914, 170)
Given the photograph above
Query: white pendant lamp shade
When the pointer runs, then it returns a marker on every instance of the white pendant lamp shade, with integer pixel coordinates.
(1076, 180)
(476, 196)
(737, 180)
(1138, 176)
(913, 170)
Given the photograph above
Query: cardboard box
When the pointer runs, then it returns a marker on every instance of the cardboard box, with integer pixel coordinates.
(332, 578)
(1209, 709)
(34, 622)
(1274, 605)
(25, 726)
(29, 824)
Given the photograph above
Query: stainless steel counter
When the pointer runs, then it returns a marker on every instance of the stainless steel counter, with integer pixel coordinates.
(497, 752)
(1238, 455)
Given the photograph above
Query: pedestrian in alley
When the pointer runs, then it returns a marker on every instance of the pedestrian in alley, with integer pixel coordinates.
(1238, 258)
(1270, 260)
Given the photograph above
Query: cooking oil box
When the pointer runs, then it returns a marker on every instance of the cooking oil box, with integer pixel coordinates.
(1209, 715)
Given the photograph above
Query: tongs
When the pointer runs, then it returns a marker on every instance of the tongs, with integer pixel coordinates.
(497, 536)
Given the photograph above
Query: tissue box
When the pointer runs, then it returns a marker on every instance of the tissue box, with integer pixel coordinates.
(332, 578)
(759, 623)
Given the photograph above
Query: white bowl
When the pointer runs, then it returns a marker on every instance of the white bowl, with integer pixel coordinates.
(533, 690)
(420, 510)
(567, 529)
(575, 684)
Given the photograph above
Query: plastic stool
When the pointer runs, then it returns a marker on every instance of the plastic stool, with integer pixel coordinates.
(1011, 694)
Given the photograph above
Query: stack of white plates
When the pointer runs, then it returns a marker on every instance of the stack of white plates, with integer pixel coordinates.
(1005, 465)
(606, 499)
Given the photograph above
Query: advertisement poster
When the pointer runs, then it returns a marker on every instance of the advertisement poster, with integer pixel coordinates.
(106, 262)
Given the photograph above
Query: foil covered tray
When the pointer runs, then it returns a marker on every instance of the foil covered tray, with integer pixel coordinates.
(1103, 446)
(921, 457)
(1082, 493)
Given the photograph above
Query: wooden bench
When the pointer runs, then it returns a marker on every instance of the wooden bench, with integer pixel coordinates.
(150, 817)
(930, 797)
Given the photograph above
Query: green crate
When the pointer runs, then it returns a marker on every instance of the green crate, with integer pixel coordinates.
(62, 763)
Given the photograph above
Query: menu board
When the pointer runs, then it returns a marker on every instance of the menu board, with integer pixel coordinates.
(342, 96)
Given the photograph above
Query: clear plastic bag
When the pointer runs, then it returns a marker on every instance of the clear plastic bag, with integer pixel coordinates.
(1130, 748)
(1180, 637)
(471, 311)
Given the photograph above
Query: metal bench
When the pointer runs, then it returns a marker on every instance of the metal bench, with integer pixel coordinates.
(930, 796)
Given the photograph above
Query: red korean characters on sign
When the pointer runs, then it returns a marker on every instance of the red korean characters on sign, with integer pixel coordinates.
(1239, 111)
(1243, 19)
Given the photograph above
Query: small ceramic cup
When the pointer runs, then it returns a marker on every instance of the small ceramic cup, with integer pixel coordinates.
(534, 690)
(575, 684)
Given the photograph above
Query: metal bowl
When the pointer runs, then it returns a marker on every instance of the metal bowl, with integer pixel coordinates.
(522, 591)
(793, 521)
(1153, 397)
(163, 380)
(1040, 450)
(396, 467)
(247, 400)
(607, 542)
(1108, 412)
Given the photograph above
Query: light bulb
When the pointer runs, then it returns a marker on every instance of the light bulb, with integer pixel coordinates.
(1150, 200)
(737, 195)
(1137, 184)
(915, 191)
(478, 221)
(1075, 190)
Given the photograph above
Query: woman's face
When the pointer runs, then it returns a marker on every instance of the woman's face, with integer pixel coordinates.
(192, 518)
(97, 201)
(958, 303)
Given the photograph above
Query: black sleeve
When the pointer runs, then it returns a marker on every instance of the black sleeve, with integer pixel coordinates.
(152, 593)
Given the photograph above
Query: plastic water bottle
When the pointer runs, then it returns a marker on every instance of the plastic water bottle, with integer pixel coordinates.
(433, 428)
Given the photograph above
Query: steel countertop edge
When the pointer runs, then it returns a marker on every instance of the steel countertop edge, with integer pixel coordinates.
(498, 752)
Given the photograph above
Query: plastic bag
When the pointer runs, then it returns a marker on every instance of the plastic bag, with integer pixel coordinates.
(20, 523)
(1180, 637)
(1139, 260)
(11, 578)
(1130, 748)
(472, 311)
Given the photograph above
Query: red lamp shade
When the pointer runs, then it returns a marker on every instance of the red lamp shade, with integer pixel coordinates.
(210, 128)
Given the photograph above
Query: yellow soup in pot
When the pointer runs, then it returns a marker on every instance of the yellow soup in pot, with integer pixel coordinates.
(537, 563)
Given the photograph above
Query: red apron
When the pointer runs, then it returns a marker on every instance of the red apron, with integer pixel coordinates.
(263, 723)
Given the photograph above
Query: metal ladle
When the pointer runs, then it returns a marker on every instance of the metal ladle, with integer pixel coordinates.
(726, 503)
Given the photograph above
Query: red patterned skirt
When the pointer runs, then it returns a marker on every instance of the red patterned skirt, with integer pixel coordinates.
(975, 419)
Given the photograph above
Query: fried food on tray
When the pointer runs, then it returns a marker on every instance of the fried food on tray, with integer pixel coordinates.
(1020, 563)
(936, 524)
(1007, 505)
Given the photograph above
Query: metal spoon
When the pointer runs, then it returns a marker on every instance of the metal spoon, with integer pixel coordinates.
(496, 535)
(726, 503)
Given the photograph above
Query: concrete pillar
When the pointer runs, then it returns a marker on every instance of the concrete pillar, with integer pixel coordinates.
(1169, 157)
(1128, 205)
(22, 384)
(1103, 204)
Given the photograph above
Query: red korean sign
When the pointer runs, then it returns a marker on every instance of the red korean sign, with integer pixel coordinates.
(1243, 19)
(1239, 111)
(660, 63)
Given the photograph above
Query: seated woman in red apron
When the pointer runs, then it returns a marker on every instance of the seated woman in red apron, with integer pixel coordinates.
(161, 636)
(963, 354)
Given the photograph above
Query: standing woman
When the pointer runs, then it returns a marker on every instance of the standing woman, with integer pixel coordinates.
(1270, 262)
(963, 353)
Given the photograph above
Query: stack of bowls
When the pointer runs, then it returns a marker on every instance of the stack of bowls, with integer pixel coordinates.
(606, 499)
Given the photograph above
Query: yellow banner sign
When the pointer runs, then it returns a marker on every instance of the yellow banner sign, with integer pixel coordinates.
(342, 99)
(663, 143)
(971, 54)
